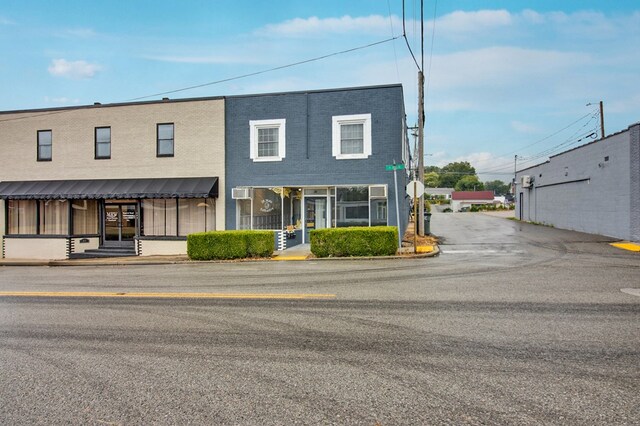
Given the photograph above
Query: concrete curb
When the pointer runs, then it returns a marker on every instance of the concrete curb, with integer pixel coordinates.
(154, 262)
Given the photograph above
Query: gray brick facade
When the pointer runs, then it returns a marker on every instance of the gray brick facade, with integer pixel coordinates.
(309, 160)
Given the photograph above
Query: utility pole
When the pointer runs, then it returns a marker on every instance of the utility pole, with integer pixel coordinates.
(515, 172)
(420, 219)
(601, 119)
(420, 222)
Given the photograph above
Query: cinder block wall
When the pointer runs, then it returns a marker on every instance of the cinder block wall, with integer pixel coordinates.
(309, 159)
(584, 191)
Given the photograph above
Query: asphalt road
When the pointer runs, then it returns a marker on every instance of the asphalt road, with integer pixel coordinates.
(511, 324)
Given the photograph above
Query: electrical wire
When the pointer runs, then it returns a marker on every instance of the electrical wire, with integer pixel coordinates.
(433, 39)
(306, 61)
(404, 35)
(395, 54)
(69, 109)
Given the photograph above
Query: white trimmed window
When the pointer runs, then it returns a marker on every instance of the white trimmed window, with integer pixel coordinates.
(267, 138)
(351, 137)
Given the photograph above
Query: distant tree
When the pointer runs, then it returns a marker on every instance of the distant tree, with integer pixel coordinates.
(453, 172)
(497, 186)
(429, 169)
(431, 180)
(469, 183)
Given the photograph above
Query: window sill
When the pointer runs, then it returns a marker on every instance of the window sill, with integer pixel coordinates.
(267, 159)
(351, 157)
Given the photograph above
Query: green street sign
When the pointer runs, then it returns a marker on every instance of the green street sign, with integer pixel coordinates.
(391, 167)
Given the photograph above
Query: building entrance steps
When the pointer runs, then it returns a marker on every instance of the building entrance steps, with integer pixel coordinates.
(105, 252)
(299, 252)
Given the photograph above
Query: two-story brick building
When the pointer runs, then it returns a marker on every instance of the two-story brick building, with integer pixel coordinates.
(138, 177)
(316, 159)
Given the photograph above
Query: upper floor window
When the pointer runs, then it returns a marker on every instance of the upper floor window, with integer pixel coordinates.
(351, 136)
(103, 142)
(267, 140)
(44, 145)
(165, 140)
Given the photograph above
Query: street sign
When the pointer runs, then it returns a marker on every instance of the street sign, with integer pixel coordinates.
(392, 167)
(415, 188)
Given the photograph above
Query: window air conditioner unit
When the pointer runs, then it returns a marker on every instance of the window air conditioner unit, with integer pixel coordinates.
(378, 191)
(240, 193)
(526, 181)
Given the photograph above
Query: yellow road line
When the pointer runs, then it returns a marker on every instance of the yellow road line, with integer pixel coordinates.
(626, 245)
(166, 295)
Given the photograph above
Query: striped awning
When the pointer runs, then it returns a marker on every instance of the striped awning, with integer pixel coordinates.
(200, 187)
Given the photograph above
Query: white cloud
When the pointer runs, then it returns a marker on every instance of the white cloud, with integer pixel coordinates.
(73, 69)
(204, 59)
(372, 24)
(500, 65)
(487, 165)
(62, 100)
(460, 22)
(523, 127)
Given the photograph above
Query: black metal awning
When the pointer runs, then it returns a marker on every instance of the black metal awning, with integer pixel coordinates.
(200, 187)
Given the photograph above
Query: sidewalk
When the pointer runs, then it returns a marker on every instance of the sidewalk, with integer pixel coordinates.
(426, 248)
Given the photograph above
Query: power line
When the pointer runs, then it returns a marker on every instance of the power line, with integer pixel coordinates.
(69, 109)
(404, 35)
(306, 61)
(433, 39)
(395, 54)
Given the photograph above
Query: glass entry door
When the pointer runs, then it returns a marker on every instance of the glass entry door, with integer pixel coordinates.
(315, 215)
(120, 222)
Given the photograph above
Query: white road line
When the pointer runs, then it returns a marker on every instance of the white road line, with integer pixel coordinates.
(631, 291)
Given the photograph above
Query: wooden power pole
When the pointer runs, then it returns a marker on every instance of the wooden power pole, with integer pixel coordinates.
(420, 219)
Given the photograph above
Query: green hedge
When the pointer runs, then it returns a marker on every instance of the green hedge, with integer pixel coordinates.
(354, 241)
(230, 244)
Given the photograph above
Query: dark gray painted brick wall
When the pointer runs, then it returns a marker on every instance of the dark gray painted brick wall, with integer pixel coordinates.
(309, 159)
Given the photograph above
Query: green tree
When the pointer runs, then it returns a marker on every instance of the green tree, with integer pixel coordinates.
(453, 172)
(469, 183)
(497, 186)
(431, 180)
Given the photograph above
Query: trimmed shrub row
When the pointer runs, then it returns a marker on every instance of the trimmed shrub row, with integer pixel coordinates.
(354, 241)
(230, 244)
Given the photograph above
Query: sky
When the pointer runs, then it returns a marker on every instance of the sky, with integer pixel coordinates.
(503, 78)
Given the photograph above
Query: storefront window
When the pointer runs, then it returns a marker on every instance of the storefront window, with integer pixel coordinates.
(195, 215)
(160, 218)
(85, 217)
(352, 206)
(54, 217)
(22, 217)
(171, 217)
(378, 212)
(267, 208)
(244, 214)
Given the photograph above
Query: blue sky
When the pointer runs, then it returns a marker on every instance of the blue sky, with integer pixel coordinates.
(504, 77)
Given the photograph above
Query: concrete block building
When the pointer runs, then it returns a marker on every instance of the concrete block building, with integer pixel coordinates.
(132, 177)
(594, 188)
(309, 160)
